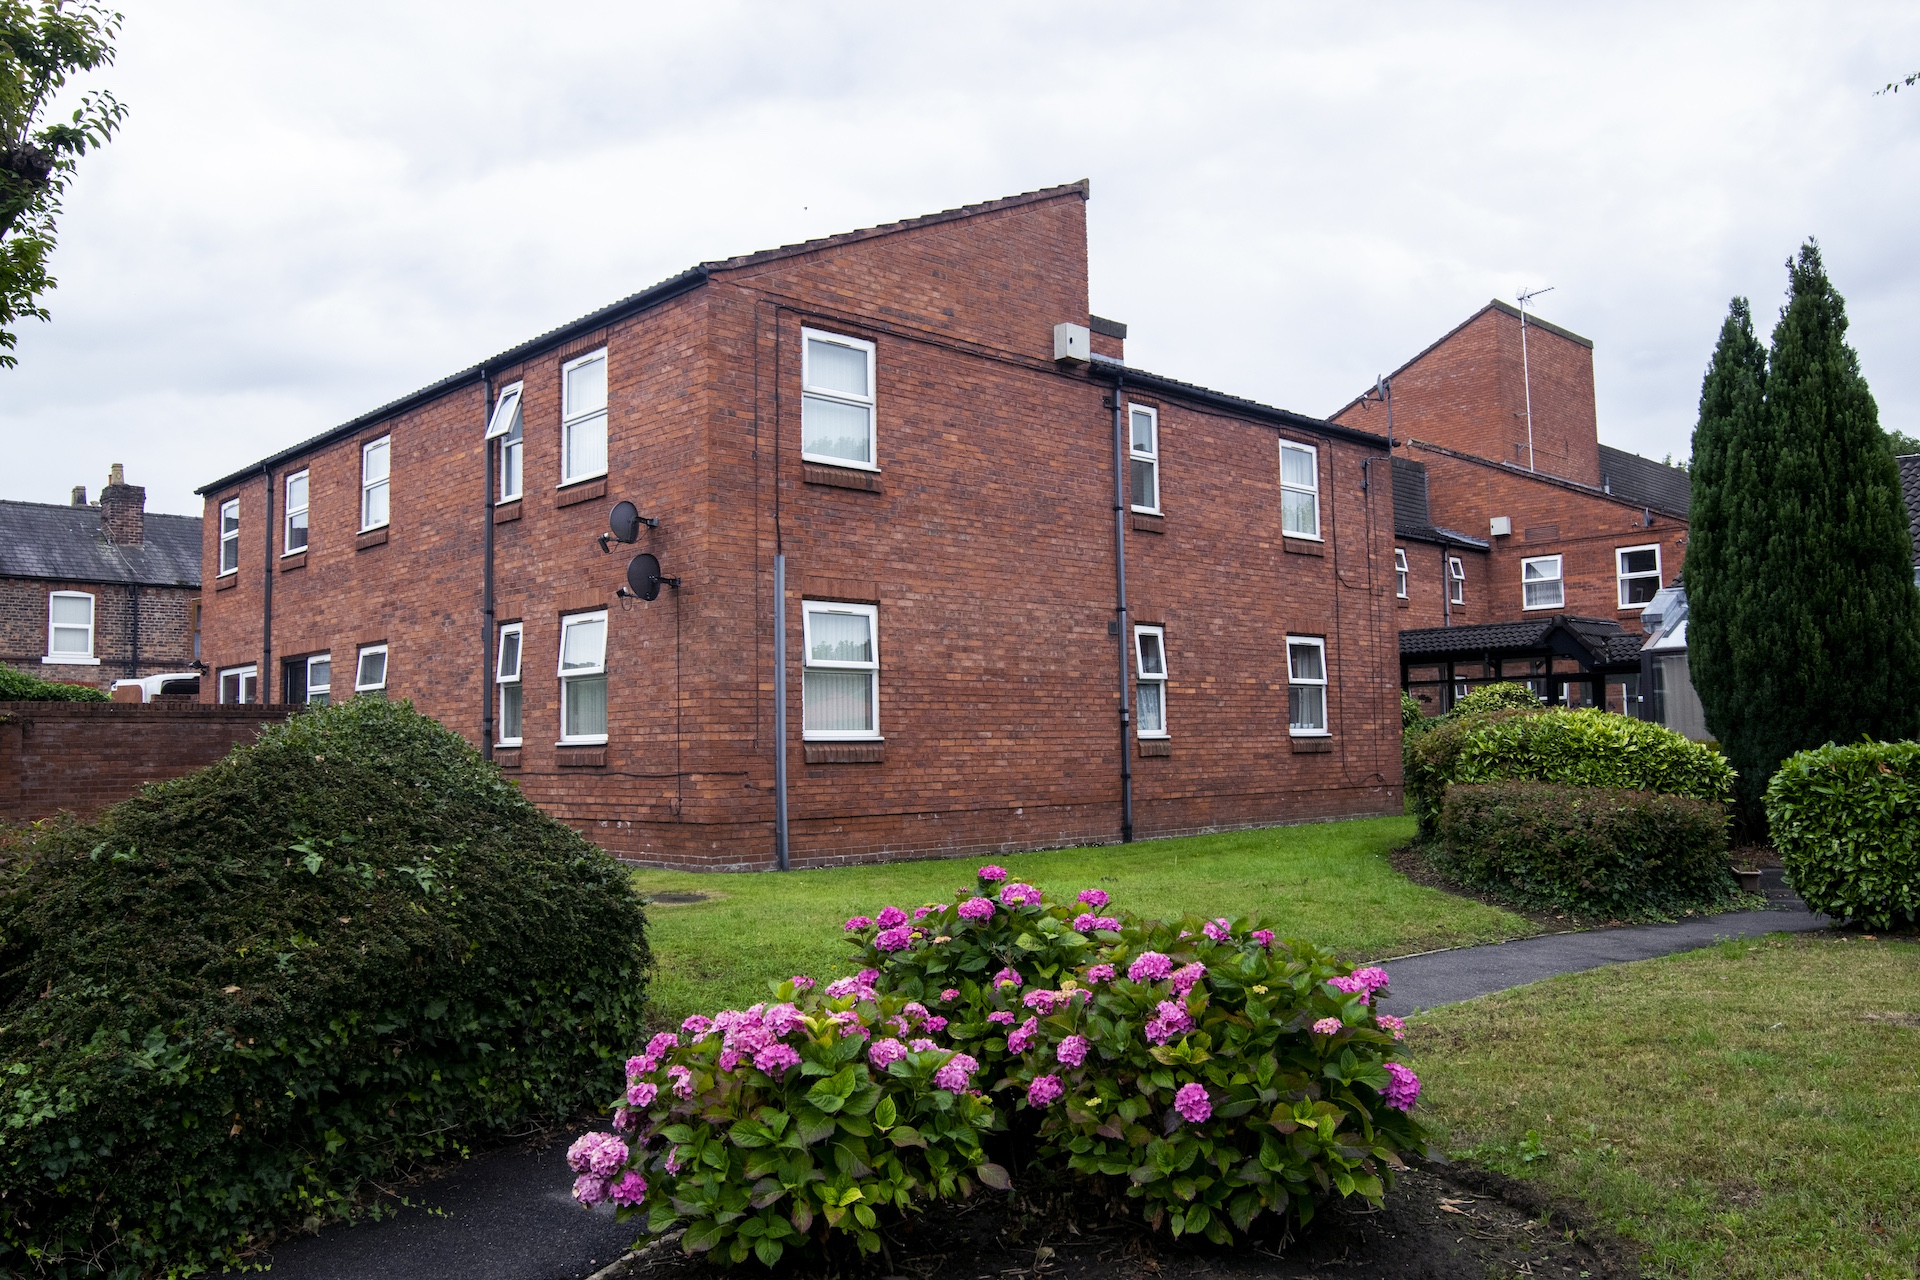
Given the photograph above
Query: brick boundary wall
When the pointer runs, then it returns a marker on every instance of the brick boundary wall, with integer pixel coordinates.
(83, 756)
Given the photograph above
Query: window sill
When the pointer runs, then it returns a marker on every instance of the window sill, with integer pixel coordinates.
(1311, 744)
(1149, 522)
(506, 512)
(65, 661)
(846, 752)
(1403, 602)
(1542, 608)
(227, 581)
(576, 491)
(841, 477)
(576, 756)
(1298, 546)
(371, 538)
(505, 756)
(846, 464)
(293, 560)
(1150, 747)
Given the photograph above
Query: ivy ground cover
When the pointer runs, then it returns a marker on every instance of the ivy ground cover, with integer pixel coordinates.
(1748, 1110)
(1329, 882)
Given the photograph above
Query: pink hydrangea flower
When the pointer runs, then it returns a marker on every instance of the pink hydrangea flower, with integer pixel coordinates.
(1083, 923)
(801, 982)
(682, 1081)
(951, 993)
(1219, 929)
(1009, 975)
(624, 1118)
(1403, 1089)
(1192, 1103)
(1002, 1017)
(662, 1044)
(921, 913)
(630, 1190)
(976, 908)
(855, 924)
(957, 1074)
(642, 1094)
(992, 874)
(639, 1065)
(1015, 894)
(600, 1154)
(673, 1160)
(1151, 966)
(775, 1059)
(868, 977)
(898, 1025)
(1170, 1023)
(1263, 936)
(729, 1059)
(1390, 1023)
(1044, 1091)
(1374, 976)
(897, 939)
(1354, 985)
(1041, 1001)
(914, 1009)
(1021, 1038)
(882, 1054)
(935, 1025)
(696, 1026)
(1328, 1027)
(1072, 1051)
(841, 988)
(1100, 973)
(922, 1045)
(889, 917)
(589, 1189)
(1095, 898)
(1185, 976)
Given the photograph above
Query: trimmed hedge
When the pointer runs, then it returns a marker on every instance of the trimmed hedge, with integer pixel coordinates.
(1585, 747)
(1846, 821)
(23, 686)
(1590, 850)
(1488, 698)
(238, 1000)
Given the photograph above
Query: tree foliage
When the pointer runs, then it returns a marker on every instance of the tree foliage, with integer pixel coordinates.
(41, 46)
(1804, 622)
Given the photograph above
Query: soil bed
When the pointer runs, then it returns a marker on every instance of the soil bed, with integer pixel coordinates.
(1440, 1223)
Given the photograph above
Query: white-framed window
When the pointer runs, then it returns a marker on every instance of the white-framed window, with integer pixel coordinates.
(1143, 452)
(1150, 663)
(70, 629)
(310, 680)
(1456, 580)
(229, 537)
(583, 678)
(376, 472)
(1299, 490)
(1400, 572)
(505, 426)
(583, 417)
(295, 538)
(240, 685)
(836, 400)
(1306, 686)
(370, 671)
(506, 674)
(1639, 573)
(1541, 584)
(840, 681)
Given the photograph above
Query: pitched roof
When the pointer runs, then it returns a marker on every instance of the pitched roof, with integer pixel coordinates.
(1412, 516)
(42, 540)
(1910, 490)
(1604, 641)
(1642, 480)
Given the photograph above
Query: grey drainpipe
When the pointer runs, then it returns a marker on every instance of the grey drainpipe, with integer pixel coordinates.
(264, 682)
(1120, 598)
(486, 574)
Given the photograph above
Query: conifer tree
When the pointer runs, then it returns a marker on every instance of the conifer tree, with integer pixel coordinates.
(1804, 620)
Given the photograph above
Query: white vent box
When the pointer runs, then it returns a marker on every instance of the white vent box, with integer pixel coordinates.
(1502, 526)
(1073, 342)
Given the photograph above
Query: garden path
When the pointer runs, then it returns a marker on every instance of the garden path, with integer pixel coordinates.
(510, 1216)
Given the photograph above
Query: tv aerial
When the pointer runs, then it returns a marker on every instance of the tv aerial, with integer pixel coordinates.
(644, 579)
(623, 525)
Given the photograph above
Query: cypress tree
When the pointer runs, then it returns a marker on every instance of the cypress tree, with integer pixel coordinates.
(1804, 621)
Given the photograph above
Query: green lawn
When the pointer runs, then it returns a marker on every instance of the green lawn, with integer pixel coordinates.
(1750, 1110)
(1328, 883)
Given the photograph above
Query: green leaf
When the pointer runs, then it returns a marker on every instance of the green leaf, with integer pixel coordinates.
(702, 1236)
(768, 1251)
(994, 1176)
(885, 1113)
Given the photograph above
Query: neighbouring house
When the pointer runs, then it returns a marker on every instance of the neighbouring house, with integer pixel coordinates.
(1509, 510)
(934, 569)
(90, 594)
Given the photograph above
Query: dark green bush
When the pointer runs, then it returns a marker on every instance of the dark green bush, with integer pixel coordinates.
(23, 686)
(1590, 850)
(1411, 714)
(1488, 698)
(234, 1002)
(1846, 821)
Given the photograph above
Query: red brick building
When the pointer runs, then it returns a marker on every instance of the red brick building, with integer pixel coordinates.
(1508, 509)
(926, 526)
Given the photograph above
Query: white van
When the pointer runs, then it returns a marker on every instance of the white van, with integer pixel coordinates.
(151, 687)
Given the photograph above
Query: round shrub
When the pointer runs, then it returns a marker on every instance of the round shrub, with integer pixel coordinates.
(1589, 850)
(1846, 821)
(785, 1124)
(235, 1002)
(1488, 698)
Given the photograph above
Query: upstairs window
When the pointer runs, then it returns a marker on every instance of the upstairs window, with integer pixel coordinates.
(1639, 574)
(583, 417)
(507, 675)
(70, 628)
(1143, 451)
(583, 678)
(505, 427)
(370, 673)
(1400, 572)
(240, 685)
(840, 684)
(1456, 580)
(1540, 583)
(296, 533)
(836, 401)
(376, 467)
(230, 536)
(1299, 490)
(1150, 702)
(1306, 686)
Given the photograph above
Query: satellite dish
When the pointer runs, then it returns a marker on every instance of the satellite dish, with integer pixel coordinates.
(625, 522)
(643, 576)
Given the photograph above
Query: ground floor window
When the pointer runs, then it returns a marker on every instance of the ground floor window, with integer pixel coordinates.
(309, 680)
(840, 678)
(583, 678)
(1306, 686)
(1150, 702)
(240, 685)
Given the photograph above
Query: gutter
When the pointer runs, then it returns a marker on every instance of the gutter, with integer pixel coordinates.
(1238, 407)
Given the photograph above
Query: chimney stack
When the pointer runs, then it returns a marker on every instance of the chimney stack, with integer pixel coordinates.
(123, 510)
(79, 495)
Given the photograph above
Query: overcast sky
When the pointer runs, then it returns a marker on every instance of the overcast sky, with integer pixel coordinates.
(316, 208)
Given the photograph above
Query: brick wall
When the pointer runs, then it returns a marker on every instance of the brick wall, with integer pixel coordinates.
(82, 756)
(165, 629)
(1427, 604)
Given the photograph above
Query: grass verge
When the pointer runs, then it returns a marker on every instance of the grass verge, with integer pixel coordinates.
(1329, 882)
(1748, 1110)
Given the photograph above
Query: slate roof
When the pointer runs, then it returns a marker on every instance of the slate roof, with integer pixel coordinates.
(42, 540)
(1910, 490)
(1412, 516)
(1642, 480)
(1607, 643)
